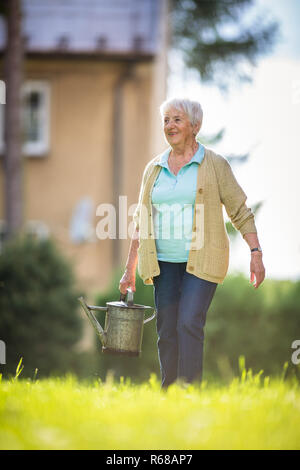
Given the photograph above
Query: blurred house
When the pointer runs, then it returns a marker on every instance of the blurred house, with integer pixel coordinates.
(95, 74)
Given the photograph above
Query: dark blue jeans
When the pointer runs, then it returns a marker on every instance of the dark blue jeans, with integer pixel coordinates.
(182, 301)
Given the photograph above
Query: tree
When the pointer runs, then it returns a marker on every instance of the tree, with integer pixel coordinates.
(216, 39)
(13, 75)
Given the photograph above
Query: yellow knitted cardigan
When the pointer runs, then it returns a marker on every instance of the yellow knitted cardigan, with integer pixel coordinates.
(209, 249)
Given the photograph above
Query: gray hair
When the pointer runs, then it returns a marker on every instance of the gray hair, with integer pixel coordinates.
(192, 108)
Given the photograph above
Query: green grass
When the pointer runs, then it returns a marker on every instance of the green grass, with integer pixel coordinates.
(252, 412)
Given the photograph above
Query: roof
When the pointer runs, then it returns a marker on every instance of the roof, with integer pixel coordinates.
(90, 26)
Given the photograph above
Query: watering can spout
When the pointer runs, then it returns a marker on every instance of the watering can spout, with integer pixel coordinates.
(88, 309)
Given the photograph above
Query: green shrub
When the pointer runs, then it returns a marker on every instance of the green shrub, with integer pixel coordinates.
(260, 324)
(39, 318)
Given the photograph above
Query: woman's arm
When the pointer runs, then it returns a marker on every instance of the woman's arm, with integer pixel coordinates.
(128, 278)
(234, 200)
(257, 269)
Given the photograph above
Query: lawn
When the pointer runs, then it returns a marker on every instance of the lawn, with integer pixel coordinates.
(252, 412)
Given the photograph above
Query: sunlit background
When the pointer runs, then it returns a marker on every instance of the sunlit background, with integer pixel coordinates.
(262, 118)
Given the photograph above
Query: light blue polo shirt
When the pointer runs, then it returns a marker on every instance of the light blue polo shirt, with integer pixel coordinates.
(173, 200)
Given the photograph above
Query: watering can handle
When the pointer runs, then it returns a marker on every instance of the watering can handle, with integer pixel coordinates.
(150, 318)
(129, 296)
(130, 302)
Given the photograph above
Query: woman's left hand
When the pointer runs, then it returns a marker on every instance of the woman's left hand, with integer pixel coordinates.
(257, 270)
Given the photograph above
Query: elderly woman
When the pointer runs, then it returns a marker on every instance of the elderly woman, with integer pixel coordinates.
(180, 243)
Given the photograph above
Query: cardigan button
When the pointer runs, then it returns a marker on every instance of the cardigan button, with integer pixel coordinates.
(200, 190)
(191, 268)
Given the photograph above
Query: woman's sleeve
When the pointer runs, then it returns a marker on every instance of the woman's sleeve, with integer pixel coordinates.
(234, 199)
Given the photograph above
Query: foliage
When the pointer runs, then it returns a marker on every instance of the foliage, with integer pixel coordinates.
(3, 8)
(211, 139)
(252, 412)
(38, 304)
(215, 38)
(260, 324)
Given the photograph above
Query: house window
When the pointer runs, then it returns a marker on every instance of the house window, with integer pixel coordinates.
(35, 118)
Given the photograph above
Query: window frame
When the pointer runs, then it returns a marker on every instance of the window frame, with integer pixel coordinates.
(30, 148)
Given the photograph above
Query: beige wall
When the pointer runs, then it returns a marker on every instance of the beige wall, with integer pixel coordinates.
(79, 163)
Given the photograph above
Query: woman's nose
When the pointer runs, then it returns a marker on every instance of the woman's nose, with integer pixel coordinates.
(169, 125)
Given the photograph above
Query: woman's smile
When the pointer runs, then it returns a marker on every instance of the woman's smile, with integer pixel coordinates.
(177, 126)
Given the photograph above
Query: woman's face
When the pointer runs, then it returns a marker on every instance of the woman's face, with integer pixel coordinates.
(177, 127)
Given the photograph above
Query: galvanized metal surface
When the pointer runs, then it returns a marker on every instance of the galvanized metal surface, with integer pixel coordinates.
(124, 322)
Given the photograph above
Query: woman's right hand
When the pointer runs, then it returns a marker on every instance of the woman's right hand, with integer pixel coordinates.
(127, 280)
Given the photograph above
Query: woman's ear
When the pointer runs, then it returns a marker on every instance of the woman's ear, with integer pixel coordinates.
(196, 128)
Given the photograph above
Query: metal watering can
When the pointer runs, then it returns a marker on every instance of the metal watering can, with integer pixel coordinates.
(124, 322)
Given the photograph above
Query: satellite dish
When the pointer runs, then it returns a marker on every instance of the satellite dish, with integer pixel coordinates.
(81, 228)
